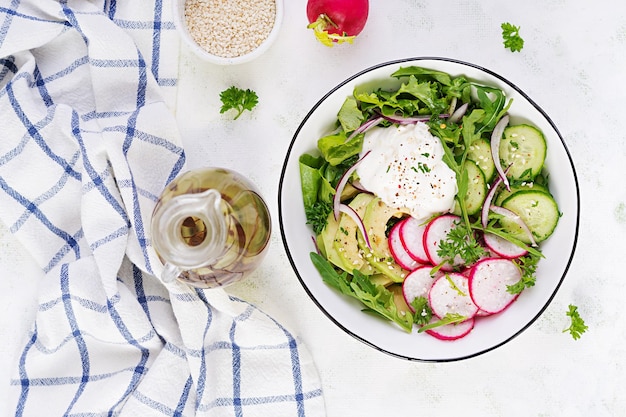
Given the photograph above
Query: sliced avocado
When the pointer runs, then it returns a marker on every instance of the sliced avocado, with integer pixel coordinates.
(375, 219)
(380, 279)
(398, 299)
(325, 242)
(346, 238)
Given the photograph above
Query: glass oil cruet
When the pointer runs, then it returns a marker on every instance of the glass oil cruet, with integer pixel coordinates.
(210, 228)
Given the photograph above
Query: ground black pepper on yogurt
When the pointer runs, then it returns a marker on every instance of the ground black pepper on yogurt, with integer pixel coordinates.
(229, 28)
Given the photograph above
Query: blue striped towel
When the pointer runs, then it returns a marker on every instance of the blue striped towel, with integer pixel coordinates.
(87, 144)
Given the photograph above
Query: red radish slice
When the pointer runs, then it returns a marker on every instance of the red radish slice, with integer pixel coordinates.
(400, 255)
(412, 237)
(482, 313)
(488, 283)
(417, 284)
(450, 294)
(341, 185)
(436, 231)
(503, 247)
(452, 331)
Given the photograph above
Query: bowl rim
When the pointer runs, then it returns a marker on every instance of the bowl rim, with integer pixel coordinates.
(179, 23)
(489, 73)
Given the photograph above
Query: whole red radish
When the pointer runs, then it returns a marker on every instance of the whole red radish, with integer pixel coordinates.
(337, 21)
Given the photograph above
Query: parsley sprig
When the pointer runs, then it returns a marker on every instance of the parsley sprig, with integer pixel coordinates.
(238, 99)
(511, 37)
(577, 326)
(462, 242)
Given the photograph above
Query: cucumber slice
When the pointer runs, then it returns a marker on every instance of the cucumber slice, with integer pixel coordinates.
(476, 190)
(524, 148)
(537, 209)
(504, 193)
(480, 152)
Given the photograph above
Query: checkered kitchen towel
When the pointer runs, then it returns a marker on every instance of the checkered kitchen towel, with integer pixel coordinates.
(87, 143)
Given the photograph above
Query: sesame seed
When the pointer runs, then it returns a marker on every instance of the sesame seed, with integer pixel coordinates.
(229, 28)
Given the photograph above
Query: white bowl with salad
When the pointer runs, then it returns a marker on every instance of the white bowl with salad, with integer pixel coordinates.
(429, 208)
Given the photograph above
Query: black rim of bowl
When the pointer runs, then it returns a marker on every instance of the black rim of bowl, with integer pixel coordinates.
(303, 283)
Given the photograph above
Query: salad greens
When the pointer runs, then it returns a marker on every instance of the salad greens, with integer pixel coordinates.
(432, 96)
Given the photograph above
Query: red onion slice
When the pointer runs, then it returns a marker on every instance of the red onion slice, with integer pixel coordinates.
(365, 127)
(458, 113)
(344, 208)
(517, 219)
(484, 214)
(496, 137)
(341, 185)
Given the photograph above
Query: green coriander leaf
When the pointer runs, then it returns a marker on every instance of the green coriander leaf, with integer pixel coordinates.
(577, 326)
(238, 100)
(511, 37)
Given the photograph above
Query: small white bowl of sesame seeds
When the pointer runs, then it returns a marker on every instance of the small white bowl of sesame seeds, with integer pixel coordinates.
(228, 32)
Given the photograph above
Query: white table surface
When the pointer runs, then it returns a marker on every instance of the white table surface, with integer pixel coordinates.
(572, 65)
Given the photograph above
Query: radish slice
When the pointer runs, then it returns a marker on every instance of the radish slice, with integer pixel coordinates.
(417, 284)
(400, 255)
(436, 231)
(341, 185)
(496, 137)
(503, 247)
(517, 219)
(412, 237)
(488, 284)
(452, 331)
(344, 208)
(450, 295)
(458, 113)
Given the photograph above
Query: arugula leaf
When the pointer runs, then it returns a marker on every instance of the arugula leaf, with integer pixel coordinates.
(449, 318)
(511, 37)
(577, 326)
(238, 99)
(376, 298)
(419, 72)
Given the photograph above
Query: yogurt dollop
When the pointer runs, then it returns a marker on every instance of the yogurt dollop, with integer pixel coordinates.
(405, 168)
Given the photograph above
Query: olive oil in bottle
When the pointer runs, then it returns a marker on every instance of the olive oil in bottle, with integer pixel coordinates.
(210, 227)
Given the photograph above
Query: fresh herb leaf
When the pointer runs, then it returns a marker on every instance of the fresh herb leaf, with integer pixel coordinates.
(528, 266)
(423, 312)
(317, 215)
(449, 318)
(511, 37)
(577, 326)
(238, 99)
(460, 241)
